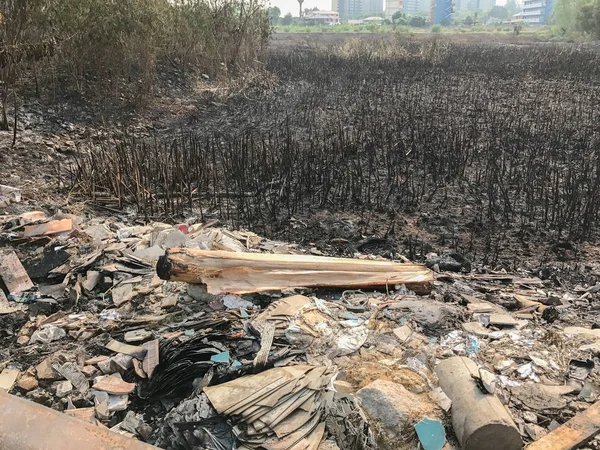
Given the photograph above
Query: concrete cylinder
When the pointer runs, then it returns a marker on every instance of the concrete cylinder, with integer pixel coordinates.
(479, 419)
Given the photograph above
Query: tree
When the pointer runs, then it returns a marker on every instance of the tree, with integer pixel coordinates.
(287, 19)
(468, 21)
(417, 21)
(274, 14)
(499, 12)
(512, 8)
(588, 18)
(399, 18)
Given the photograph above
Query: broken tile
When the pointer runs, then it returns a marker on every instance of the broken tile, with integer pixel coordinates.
(114, 385)
(132, 350)
(13, 273)
(8, 378)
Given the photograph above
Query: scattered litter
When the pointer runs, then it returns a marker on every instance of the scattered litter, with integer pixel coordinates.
(215, 368)
(431, 433)
(47, 334)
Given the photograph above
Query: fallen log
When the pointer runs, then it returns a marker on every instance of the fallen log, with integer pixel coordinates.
(242, 273)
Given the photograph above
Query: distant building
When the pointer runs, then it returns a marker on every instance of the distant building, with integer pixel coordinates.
(348, 9)
(372, 7)
(323, 17)
(441, 11)
(537, 12)
(354, 9)
(393, 6)
(373, 19)
(416, 7)
(474, 5)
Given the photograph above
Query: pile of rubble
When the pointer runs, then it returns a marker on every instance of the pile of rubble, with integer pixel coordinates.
(190, 336)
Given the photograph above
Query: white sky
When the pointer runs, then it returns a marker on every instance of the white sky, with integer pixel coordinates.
(291, 6)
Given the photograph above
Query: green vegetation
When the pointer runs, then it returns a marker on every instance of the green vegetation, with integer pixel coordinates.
(575, 18)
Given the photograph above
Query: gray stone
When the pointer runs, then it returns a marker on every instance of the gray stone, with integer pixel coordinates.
(389, 404)
(63, 388)
(131, 422)
(198, 292)
(171, 239)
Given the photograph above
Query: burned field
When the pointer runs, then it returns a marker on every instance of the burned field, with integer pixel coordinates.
(180, 283)
(482, 148)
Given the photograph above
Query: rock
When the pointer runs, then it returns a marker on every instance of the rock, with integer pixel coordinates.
(530, 417)
(121, 363)
(448, 263)
(503, 320)
(594, 348)
(137, 336)
(171, 238)
(27, 382)
(145, 431)
(476, 329)
(488, 379)
(63, 388)
(503, 364)
(45, 371)
(343, 387)
(106, 366)
(440, 397)
(534, 431)
(583, 332)
(131, 422)
(328, 444)
(588, 393)
(89, 371)
(535, 397)
(410, 338)
(198, 292)
(392, 408)
(40, 396)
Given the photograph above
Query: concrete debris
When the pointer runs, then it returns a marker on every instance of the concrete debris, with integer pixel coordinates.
(478, 417)
(263, 357)
(392, 408)
(63, 388)
(8, 378)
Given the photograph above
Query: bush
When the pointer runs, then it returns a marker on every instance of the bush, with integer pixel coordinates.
(121, 43)
(437, 28)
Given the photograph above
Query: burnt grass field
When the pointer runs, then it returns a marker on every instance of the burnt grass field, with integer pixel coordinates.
(490, 149)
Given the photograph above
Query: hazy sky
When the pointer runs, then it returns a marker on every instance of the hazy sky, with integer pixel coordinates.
(287, 6)
(291, 6)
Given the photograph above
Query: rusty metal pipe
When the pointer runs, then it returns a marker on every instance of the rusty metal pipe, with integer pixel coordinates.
(25, 425)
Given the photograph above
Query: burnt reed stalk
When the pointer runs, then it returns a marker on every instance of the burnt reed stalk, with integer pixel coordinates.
(510, 133)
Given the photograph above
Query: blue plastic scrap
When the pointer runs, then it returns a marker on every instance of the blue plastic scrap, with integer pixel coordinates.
(220, 357)
(432, 434)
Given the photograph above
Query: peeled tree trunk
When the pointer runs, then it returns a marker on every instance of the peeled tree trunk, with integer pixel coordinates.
(243, 273)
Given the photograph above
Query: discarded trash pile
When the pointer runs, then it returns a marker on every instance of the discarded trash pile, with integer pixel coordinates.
(194, 337)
